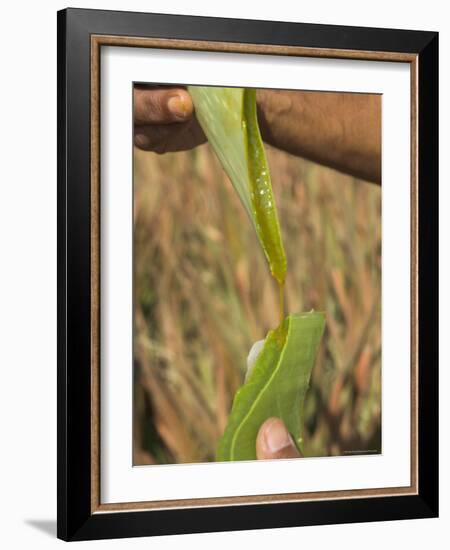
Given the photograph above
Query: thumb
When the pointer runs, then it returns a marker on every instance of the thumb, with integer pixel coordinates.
(274, 441)
(161, 105)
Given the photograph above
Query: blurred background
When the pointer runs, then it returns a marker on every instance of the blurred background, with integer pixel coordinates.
(204, 295)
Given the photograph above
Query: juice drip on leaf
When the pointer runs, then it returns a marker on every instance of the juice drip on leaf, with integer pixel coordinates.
(262, 198)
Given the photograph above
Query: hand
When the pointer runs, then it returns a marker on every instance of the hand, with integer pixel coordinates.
(274, 441)
(164, 119)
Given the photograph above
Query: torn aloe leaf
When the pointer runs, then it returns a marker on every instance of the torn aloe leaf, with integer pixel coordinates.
(229, 119)
(279, 379)
(276, 386)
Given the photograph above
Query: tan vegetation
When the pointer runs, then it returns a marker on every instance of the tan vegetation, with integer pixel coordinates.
(204, 294)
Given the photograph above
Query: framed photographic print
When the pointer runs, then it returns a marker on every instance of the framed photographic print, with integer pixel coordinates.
(247, 271)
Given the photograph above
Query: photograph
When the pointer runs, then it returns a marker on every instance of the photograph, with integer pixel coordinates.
(256, 274)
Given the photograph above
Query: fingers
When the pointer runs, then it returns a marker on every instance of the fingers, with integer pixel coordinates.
(161, 105)
(166, 138)
(274, 441)
(164, 121)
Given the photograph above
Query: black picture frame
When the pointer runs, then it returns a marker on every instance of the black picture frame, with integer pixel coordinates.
(76, 520)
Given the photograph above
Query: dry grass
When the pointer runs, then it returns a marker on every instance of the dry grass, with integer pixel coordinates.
(203, 295)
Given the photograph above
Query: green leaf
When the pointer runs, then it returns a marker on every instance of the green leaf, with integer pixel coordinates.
(279, 380)
(276, 387)
(228, 117)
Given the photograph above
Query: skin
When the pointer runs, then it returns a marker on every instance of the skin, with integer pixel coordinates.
(273, 441)
(164, 120)
(338, 130)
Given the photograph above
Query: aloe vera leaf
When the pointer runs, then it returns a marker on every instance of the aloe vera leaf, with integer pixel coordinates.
(228, 117)
(276, 386)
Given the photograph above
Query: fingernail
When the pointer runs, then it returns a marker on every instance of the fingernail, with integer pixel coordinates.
(177, 106)
(276, 436)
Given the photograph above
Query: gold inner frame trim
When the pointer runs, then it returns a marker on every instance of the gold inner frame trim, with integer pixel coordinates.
(97, 41)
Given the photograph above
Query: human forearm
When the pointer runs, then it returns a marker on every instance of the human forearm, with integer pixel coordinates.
(339, 130)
